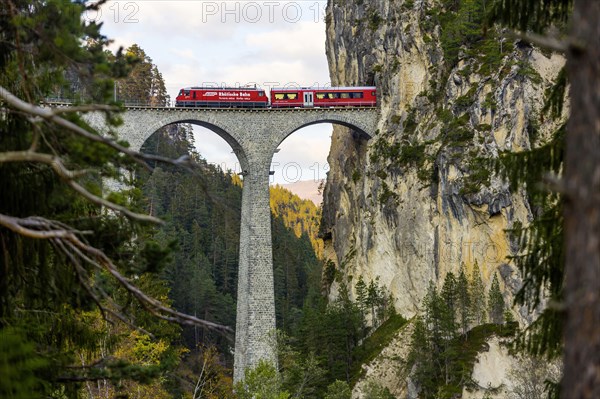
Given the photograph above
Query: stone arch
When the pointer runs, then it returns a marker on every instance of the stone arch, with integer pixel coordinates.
(353, 122)
(342, 120)
(152, 125)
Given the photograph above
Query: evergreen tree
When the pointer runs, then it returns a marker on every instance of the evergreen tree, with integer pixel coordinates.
(70, 256)
(261, 382)
(450, 293)
(362, 298)
(496, 305)
(375, 391)
(477, 293)
(144, 84)
(374, 300)
(361, 294)
(331, 331)
(338, 390)
(463, 300)
(422, 358)
(544, 265)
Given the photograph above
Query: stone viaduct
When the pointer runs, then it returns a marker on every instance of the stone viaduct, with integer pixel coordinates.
(254, 135)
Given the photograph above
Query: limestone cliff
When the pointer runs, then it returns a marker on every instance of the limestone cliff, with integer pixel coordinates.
(410, 204)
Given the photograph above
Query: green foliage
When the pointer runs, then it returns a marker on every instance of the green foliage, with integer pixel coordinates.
(526, 70)
(48, 290)
(202, 213)
(496, 305)
(555, 95)
(444, 374)
(302, 374)
(403, 154)
(144, 83)
(542, 262)
(332, 332)
(338, 390)
(479, 176)
(328, 337)
(457, 133)
(261, 382)
(356, 176)
(373, 344)
(374, 20)
(489, 102)
(463, 301)
(375, 391)
(533, 15)
(441, 358)
(460, 26)
(361, 293)
(20, 366)
(477, 293)
(329, 273)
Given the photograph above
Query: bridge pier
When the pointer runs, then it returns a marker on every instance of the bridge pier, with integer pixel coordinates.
(255, 319)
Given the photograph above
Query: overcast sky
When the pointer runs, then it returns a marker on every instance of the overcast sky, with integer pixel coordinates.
(270, 43)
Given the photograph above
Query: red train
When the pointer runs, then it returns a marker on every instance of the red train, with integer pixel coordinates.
(280, 97)
(221, 97)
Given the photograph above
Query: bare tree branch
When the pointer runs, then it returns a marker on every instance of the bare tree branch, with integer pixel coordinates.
(68, 175)
(51, 115)
(19, 226)
(547, 42)
(68, 243)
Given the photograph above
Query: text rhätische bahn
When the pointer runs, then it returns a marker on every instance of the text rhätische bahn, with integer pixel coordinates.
(280, 98)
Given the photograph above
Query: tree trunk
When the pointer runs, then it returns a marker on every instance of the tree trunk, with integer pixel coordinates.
(582, 208)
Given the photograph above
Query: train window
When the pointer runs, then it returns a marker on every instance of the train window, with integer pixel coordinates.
(187, 92)
(279, 96)
(357, 94)
(261, 93)
(194, 95)
(320, 96)
(292, 96)
(344, 95)
(333, 95)
(181, 92)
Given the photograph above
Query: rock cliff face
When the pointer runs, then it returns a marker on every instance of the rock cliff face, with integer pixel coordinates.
(412, 204)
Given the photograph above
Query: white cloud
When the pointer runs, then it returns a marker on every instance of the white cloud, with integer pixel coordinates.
(193, 43)
(291, 43)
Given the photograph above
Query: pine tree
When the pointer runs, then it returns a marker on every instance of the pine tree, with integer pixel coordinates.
(463, 301)
(262, 381)
(68, 292)
(449, 292)
(496, 305)
(421, 357)
(361, 294)
(545, 266)
(144, 84)
(448, 306)
(338, 390)
(374, 300)
(477, 293)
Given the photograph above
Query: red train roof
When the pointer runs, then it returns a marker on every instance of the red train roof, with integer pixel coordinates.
(326, 88)
(222, 88)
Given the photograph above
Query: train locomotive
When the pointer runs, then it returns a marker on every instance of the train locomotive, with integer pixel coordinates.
(222, 97)
(207, 97)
